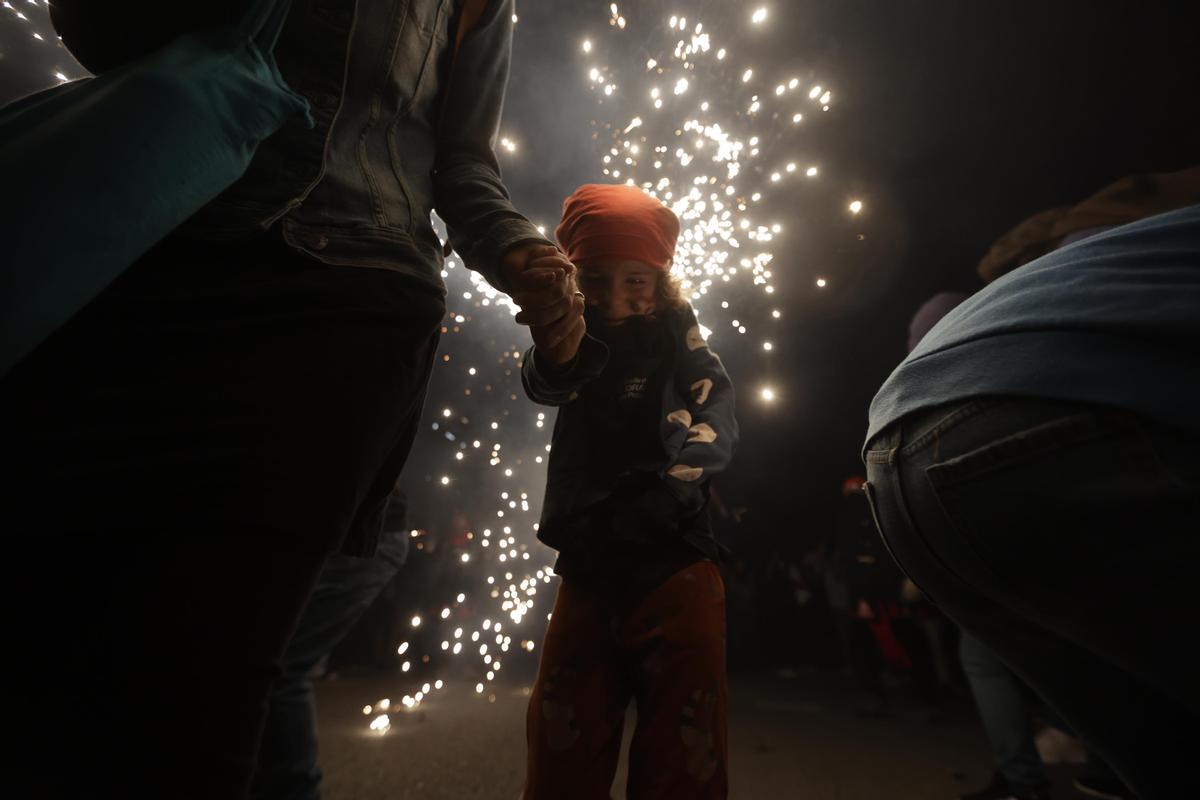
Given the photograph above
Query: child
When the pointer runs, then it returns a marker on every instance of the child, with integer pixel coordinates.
(645, 420)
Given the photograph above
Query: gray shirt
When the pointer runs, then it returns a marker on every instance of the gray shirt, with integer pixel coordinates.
(1112, 319)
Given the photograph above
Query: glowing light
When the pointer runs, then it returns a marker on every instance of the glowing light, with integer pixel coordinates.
(821, 283)
(587, 45)
(759, 15)
(855, 206)
(767, 394)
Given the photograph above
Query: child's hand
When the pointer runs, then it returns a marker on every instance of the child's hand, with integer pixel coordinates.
(540, 281)
(559, 342)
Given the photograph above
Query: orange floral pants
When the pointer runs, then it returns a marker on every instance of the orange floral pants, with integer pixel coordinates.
(609, 643)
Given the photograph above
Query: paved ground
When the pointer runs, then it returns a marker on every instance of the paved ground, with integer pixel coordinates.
(789, 738)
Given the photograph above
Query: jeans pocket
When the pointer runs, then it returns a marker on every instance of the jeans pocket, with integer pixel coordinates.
(1053, 498)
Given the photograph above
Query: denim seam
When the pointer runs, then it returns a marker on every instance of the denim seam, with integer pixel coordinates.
(964, 412)
(994, 455)
(881, 456)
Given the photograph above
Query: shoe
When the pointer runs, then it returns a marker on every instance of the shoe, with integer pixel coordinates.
(1057, 747)
(1102, 786)
(1001, 789)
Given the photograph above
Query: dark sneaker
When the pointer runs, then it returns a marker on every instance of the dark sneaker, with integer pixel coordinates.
(1001, 789)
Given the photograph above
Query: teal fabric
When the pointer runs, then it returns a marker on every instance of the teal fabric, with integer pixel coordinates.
(99, 170)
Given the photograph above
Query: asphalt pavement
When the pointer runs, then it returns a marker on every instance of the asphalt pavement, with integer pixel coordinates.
(791, 736)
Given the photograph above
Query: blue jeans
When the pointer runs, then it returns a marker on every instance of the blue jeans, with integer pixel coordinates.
(1004, 710)
(287, 757)
(1064, 537)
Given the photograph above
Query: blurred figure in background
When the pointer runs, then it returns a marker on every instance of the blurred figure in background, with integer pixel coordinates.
(872, 608)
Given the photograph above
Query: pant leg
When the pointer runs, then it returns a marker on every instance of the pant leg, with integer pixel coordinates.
(287, 758)
(1005, 713)
(577, 709)
(866, 660)
(181, 457)
(675, 641)
(1061, 536)
(139, 680)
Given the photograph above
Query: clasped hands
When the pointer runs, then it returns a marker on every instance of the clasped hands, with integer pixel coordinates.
(541, 281)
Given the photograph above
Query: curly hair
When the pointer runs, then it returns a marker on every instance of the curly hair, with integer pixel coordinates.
(668, 294)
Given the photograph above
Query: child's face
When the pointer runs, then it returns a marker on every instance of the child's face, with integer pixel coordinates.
(619, 289)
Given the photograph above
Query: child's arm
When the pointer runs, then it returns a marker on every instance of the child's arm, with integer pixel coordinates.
(709, 417)
(556, 385)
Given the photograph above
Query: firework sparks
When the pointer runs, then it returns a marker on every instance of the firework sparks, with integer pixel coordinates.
(716, 139)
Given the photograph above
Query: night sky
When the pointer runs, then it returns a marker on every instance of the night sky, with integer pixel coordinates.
(952, 121)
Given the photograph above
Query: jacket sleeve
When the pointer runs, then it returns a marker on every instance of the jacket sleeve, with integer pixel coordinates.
(550, 386)
(709, 418)
(468, 192)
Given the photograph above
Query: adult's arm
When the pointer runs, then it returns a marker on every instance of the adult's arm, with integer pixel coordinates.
(468, 191)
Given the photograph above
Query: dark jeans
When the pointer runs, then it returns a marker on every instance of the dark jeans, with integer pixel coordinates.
(178, 461)
(1004, 709)
(1065, 538)
(287, 757)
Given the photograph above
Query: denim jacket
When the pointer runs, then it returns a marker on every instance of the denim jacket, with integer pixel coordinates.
(390, 144)
(697, 426)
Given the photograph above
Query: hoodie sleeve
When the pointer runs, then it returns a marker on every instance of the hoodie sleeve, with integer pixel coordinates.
(548, 385)
(709, 418)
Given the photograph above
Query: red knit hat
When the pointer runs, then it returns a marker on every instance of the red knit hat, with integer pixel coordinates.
(617, 221)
